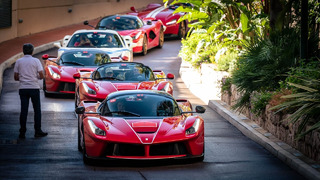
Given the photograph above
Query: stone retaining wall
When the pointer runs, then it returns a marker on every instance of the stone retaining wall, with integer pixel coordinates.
(283, 130)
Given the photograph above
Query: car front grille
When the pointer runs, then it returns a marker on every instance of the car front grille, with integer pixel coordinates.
(163, 149)
(64, 86)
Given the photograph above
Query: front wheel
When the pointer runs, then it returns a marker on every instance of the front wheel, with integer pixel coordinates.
(145, 45)
(45, 89)
(182, 30)
(161, 38)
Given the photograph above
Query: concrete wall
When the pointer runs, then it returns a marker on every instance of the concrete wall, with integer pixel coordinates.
(43, 15)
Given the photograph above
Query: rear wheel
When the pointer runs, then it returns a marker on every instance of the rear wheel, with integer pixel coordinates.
(161, 38)
(182, 30)
(145, 46)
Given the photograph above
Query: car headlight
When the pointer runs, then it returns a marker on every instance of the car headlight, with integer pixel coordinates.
(53, 74)
(174, 21)
(194, 128)
(95, 129)
(137, 35)
(88, 89)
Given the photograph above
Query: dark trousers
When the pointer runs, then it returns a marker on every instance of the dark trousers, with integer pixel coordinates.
(25, 95)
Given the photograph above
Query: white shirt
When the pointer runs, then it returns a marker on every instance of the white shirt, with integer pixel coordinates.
(28, 68)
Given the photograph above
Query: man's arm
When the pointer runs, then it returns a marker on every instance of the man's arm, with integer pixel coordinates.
(16, 76)
(40, 75)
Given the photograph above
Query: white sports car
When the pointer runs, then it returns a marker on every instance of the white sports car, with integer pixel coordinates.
(116, 46)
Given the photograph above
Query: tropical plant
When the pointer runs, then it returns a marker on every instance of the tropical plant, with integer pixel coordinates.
(262, 64)
(304, 104)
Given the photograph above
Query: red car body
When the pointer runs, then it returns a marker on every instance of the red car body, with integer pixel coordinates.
(146, 34)
(59, 71)
(168, 132)
(166, 15)
(96, 87)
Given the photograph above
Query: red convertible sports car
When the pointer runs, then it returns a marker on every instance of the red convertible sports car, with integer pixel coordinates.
(146, 34)
(140, 124)
(165, 14)
(119, 76)
(59, 70)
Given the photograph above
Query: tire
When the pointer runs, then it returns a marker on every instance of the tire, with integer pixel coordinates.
(161, 38)
(45, 89)
(182, 30)
(86, 160)
(79, 136)
(76, 98)
(144, 46)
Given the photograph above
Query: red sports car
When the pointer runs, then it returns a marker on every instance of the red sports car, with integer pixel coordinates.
(146, 34)
(59, 70)
(119, 76)
(165, 14)
(140, 124)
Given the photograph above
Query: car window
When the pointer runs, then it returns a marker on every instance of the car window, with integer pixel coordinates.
(141, 105)
(83, 58)
(124, 72)
(119, 23)
(95, 40)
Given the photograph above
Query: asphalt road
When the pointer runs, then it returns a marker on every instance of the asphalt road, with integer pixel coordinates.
(229, 154)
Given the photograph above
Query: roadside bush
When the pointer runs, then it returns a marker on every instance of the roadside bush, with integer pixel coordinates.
(262, 64)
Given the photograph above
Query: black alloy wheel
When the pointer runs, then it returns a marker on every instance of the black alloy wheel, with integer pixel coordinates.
(182, 30)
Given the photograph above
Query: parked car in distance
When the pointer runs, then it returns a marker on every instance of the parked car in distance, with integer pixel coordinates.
(166, 15)
(146, 33)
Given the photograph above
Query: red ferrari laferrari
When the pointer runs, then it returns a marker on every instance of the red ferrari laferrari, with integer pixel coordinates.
(166, 15)
(140, 124)
(119, 76)
(59, 70)
(146, 33)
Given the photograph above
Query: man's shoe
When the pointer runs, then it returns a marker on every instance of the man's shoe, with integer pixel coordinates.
(22, 136)
(40, 134)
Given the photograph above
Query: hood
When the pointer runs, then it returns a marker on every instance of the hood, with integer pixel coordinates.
(126, 32)
(67, 72)
(111, 86)
(146, 131)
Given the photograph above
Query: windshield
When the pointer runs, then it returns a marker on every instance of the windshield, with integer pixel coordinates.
(83, 58)
(141, 105)
(119, 23)
(95, 39)
(132, 72)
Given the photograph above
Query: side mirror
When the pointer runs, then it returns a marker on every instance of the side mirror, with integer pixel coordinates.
(149, 22)
(80, 110)
(86, 22)
(170, 76)
(77, 75)
(45, 56)
(132, 8)
(200, 109)
(65, 40)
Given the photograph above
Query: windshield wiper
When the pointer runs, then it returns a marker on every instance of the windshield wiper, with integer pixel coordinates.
(73, 62)
(126, 112)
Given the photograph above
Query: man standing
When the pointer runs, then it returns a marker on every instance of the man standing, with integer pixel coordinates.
(28, 70)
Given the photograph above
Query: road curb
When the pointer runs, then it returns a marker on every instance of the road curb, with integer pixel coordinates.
(243, 124)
